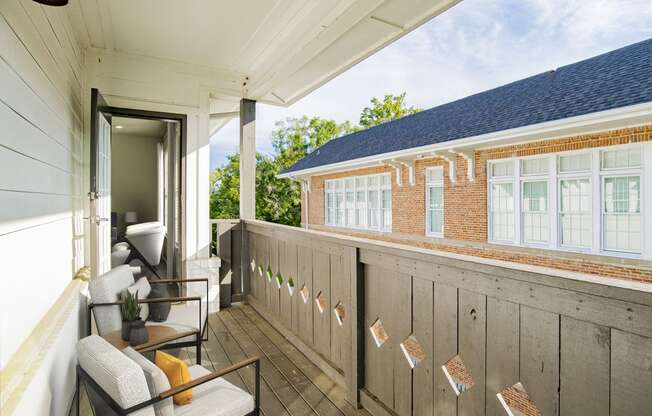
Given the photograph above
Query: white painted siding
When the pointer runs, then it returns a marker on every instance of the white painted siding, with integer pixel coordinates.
(41, 177)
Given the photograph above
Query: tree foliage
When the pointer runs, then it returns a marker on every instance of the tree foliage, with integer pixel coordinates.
(389, 108)
(279, 200)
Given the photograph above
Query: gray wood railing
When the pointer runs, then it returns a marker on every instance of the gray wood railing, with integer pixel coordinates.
(577, 345)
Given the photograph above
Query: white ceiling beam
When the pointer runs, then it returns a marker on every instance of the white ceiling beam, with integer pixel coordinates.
(227, 115)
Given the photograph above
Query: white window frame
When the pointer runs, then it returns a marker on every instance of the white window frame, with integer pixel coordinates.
(496, 180)
(596, 176)
(606, 173)
(339, 186)
(429, 184)
(538, 177)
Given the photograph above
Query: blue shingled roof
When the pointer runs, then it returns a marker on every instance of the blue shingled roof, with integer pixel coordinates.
(615, 79)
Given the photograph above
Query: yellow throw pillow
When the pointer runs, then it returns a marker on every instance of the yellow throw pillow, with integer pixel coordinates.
(177, 374)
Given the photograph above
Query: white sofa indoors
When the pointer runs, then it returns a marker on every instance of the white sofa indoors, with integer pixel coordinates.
(187, 313)
(128, 383)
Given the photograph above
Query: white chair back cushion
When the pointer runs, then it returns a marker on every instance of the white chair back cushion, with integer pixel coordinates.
(157, 381)
(107, 288)
(120, 377)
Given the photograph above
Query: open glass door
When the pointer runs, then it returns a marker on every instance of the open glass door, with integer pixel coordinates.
(100, 185)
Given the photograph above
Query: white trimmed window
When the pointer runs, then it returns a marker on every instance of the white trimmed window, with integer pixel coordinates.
(363, 202)
(534, 206)
(589, 201)
(575, 201)
(501, 207)
(621, 200)
(435, 201)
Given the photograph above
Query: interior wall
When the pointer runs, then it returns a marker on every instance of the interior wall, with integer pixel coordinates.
(134, 177)
(41, 201)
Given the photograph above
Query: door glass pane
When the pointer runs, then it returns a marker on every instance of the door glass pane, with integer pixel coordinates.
(502, 211)
(622, 218)
(575, 212)
(534, 166)
(621, 158)
(575, 163)
(500, 169)
(535, 212)
(361, 209)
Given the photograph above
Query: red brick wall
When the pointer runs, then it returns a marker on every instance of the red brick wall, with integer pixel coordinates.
(465, 202)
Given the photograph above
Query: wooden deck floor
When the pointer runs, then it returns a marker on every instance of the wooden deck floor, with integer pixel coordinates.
(291, 384)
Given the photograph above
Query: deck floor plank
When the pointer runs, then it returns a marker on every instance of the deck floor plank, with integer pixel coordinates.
(328, 387)
(315, 398)
(290, 398)
(269, 402)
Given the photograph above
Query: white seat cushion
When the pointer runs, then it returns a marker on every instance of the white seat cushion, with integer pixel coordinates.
(105, 289)
(185, 316)
(120, 377)
(215, 398)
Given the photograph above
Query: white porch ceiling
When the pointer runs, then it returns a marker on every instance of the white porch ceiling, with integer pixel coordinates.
(274, 51)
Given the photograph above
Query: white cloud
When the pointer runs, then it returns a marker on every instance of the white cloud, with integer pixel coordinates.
(477, 45)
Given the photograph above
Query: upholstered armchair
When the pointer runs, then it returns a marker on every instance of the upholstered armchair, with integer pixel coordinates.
(188, 313)
(129, 384)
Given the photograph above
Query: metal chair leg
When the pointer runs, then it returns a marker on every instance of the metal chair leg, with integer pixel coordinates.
(198, 346)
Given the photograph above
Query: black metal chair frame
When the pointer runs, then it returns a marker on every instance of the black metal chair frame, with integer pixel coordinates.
(202, 335)
(84, 377)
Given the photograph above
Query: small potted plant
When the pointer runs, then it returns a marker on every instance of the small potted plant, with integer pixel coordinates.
(133, 328)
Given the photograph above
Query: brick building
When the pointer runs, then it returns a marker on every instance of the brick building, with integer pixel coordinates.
(553, 170)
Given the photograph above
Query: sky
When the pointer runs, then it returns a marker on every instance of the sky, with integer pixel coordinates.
(475, 46)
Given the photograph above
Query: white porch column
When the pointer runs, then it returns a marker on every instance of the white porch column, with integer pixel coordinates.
(247, 159)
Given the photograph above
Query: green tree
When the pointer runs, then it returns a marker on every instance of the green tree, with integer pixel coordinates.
(389, 108)
(279, 200)
(225, 200)
(294, 138)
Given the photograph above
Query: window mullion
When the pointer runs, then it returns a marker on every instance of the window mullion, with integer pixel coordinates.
(596, 206)
(646, 200)
(553, 203)
(516, 187)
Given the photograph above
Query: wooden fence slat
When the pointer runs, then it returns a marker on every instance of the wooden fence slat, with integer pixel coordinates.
(397, 305)
(340, 337)
(285, 268)
(292, 270)
(378, 360)
(631, 374)
(272, 289)
(472, 320)
(445, 347)
(321, 320)
(584, 384)
(253, 254)
(502, 350)
(304, 309)
(422, 328)
(539, 358)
